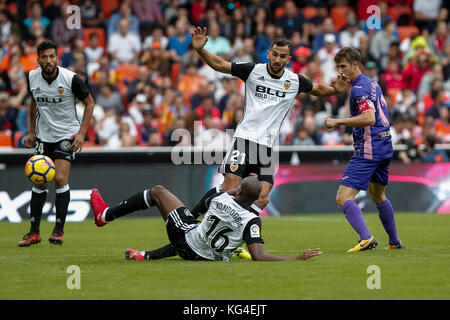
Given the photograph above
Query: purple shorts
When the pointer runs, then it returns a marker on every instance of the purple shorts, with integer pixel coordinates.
(360, 172)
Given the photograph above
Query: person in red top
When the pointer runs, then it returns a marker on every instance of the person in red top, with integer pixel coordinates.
(439, 38)
(207, 107)
(301, 59)
(413, 73)
(393, 77)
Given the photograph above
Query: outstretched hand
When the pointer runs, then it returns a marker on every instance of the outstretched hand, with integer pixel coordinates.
(340, 85)
(199, 38)
(308, 254)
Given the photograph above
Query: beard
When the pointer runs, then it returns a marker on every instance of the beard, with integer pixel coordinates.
(275, 69)
(49, 69)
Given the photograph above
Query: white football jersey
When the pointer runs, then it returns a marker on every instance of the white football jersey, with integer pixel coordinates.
(56, 117)
(267, 100)
(225, 226)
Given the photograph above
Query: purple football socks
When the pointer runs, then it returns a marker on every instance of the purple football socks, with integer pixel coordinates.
(354, 216)
(386, 214)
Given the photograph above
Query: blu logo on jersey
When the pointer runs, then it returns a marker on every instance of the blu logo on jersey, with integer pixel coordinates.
(264, 92)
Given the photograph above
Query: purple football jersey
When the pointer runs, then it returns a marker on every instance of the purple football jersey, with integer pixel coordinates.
(370, 142)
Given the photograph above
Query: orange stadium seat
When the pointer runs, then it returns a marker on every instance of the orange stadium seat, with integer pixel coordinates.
(396, 11)
(407, 32)
(310, 12)
(279, 12)
(108, 7)
(339, 16)
(127, 71)
(101, 36)
(6, 139)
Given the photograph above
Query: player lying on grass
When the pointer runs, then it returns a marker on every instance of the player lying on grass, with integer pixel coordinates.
(228, 223)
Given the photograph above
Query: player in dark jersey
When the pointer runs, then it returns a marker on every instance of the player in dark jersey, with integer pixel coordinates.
(56, 132)
(228, 223)
(368, 167)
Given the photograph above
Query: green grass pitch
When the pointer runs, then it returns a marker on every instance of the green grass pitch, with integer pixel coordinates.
(420, 272)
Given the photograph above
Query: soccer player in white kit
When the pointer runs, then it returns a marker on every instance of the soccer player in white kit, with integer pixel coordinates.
(56, 132)
(270, 90)
(228, 222)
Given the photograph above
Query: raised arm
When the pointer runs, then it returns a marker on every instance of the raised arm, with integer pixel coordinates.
(366, 118)
(199, 39)
(258, 254)
(323, 90)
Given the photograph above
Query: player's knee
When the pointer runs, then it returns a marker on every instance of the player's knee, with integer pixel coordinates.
(340, 200)
(60, 179)
(156, 192)
(262, 201)
(378, 197)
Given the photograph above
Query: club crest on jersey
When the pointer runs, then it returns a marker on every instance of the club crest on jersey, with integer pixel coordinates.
(65, 145)
(287, 84)
(60, 90)
(234, 166)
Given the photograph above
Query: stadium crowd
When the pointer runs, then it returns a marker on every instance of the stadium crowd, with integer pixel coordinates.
(147, 81)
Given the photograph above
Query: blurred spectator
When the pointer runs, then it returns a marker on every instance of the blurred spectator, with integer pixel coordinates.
(217, 44)
(202, 93)
(379, 46)
(94, 51)
(350, 37)
(36, 14)
(439, 38)
(5, 26)
(207, 108)
(438, 103)
(245, 53)
(431, 154)
(76, 46)
(393, 78)
(190, 82)
(59, 32)
(179, 42)
(157, 35)
(301, 137)
(111, 132)
(124, 46)
(327, 27)
(373, 72)
(364, 50)
(138, 84)
(109, 99)
(147, 128)
(292, 20)
(413, 73)
(123, 13)
(157, 60)
(301, 56)
(446, 62)
(7, 113)
(260, 19)
(92, 15)
(326, 56)
(53, 10)
(427, 101)
(434, 73)
(17, 50)
(136, 108)
(425, 13)
(263, 43)
(148, 13)
(442, 126)
(405, 104)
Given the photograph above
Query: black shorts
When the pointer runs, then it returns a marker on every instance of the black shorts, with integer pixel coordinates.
(180, 221)
(55, 150)
(245, 157)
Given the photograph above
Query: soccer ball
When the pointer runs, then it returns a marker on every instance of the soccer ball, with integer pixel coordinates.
(40, 169)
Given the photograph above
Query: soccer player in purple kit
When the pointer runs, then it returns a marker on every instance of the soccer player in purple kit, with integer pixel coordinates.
(368, 167)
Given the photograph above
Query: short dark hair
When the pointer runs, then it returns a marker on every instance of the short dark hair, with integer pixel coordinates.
(281, 42)
(349, 54)
(431, 140)
(46, 44)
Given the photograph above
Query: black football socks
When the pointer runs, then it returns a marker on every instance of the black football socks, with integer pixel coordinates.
(38, 197)
(62, 200)
(139, 201)
(161, 253)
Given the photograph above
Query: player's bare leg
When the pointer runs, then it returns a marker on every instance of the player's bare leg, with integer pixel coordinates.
(165, 200)
(377, 192)
(346, 200)
(263, 199)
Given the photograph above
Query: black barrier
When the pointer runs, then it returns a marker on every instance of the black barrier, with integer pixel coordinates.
(303, 188)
